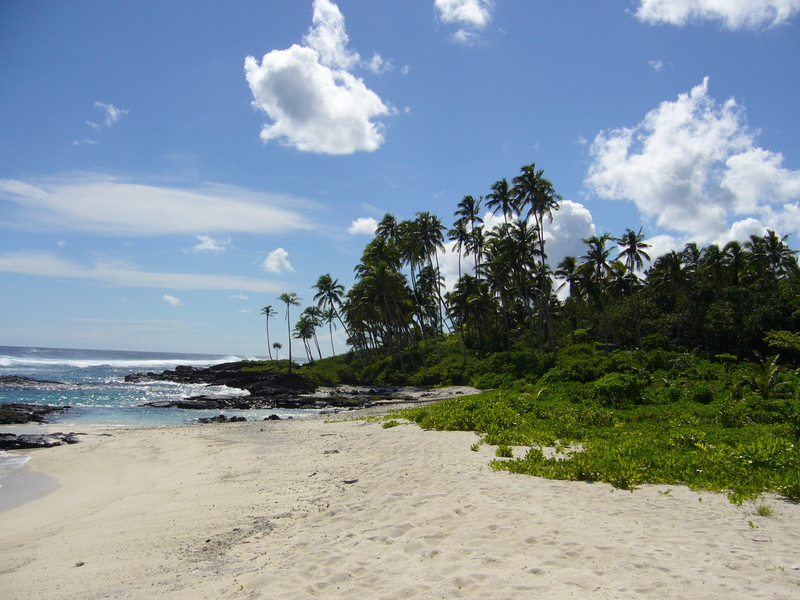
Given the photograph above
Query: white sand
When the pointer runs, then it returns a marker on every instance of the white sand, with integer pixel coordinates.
(262, 510)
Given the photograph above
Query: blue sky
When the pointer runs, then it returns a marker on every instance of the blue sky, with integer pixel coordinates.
(169, 168)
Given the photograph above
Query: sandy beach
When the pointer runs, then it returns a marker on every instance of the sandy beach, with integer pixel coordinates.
(340, 508)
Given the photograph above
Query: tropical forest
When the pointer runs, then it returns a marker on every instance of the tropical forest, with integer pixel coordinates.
(613, 366)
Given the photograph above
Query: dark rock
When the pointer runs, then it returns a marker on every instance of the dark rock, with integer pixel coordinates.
(272, 418)
(27, 382)
(13, 413)
(222, 419)
(10, 441)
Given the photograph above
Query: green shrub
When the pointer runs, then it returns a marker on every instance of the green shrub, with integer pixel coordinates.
(504, 451)
(618, 390)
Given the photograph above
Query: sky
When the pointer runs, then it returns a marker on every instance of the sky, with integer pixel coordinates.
(167, 168)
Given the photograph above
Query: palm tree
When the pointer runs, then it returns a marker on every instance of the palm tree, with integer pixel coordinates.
(329, 298)
(671, 273)
(268, 312)
(304, 330)
(314, 316)
(328, 316)
(531, 189)
(501, 199)
(598, 266)
(387, 228)
(469, 213)
(290, 299)
(461, 235)
(735, 261)
(633, 254)
(277, 346)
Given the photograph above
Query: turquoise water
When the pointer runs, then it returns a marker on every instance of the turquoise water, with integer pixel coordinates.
(98, 394)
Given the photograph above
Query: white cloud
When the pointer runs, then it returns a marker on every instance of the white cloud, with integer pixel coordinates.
(471, 15)
(277, 262)
(378, 65)
(109, 206)
(209, 244)
(84, 142)
(474, 13)
(572, 223)
(240, 297)
(734, 14)
(171, 300)
(112, 113)
(692, 165)
(363, 226)
(315, 103)
(113, 273)
(656, 65)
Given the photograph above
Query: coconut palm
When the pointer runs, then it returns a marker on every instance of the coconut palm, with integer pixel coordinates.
(314, 315)
(329, 298)
(329, 315)
(533, 190)
(268, 312)
(502, 199)
(671, 273)
(461, 235)
(277, 347)
(304, 330)
(633, 255)
(290, 299)
(598, 267)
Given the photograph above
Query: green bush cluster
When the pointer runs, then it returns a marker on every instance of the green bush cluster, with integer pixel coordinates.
(640, 417)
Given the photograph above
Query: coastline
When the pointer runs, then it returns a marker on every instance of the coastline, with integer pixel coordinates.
(343, 508)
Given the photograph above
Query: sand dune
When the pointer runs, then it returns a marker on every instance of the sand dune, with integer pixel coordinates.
(314, 509)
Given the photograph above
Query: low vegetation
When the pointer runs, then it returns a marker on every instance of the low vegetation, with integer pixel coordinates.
(643, 417)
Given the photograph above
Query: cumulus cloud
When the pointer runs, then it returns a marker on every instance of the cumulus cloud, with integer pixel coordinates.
(315, 103)
(470, 15)
(572, 223)
(363, 226)
(43, 264)
(692, 165)
(277, 261)
(734, 14)
(656, 65)
(110, 206)
(171, 300)
(209, 244)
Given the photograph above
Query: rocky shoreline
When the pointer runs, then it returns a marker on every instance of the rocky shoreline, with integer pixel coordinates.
(266, 390)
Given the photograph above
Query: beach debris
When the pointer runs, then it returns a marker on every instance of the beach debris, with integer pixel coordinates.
(349, 481)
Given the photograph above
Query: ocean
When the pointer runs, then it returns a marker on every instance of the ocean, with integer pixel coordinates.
(98, 394)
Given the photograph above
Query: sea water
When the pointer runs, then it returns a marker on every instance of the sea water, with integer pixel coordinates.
(92, 383)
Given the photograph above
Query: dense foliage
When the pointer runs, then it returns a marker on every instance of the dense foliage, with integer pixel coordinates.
(734, 300)
(635, 417)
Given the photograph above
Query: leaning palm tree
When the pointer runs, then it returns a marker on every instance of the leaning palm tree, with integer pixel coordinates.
(268, 312)
(290, 299)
